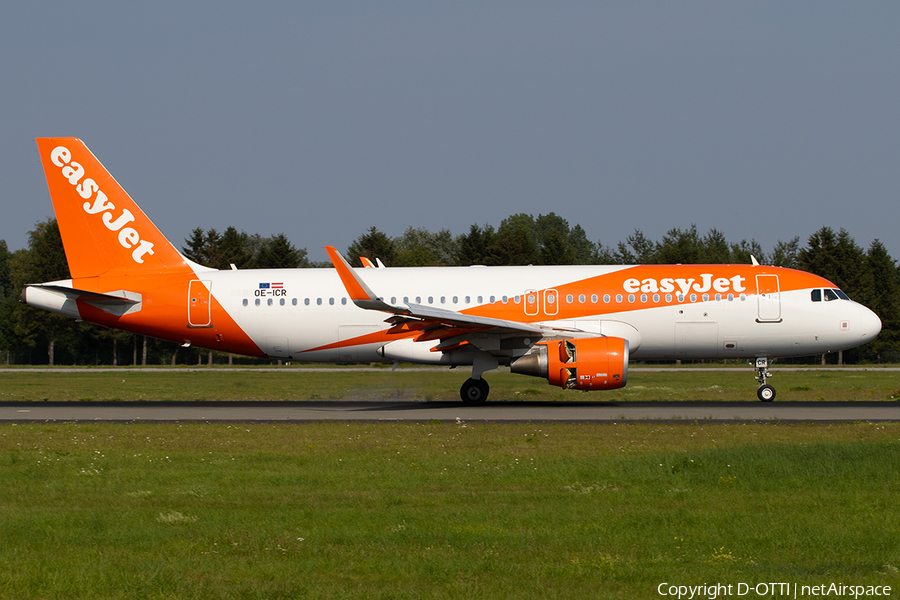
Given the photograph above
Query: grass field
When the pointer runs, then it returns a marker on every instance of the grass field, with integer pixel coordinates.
(429, 385)
(442, 510)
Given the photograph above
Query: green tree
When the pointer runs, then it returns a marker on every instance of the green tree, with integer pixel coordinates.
(475, 247)
(786, 254)
(5, 281)
(637, 250)
(880, 289)
(584, 251)
(551, 233)
(835, 257)
(741, 253)
(277, 252)
(515, 243)
(234, 248)
(372, 245)
(420, 248)
(195, 246)
(680, 247)
(715, 248)
(43, 261)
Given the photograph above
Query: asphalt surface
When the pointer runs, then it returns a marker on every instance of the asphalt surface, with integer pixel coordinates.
(501, 412)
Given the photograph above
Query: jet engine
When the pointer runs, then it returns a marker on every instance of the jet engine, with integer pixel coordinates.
(599, 363)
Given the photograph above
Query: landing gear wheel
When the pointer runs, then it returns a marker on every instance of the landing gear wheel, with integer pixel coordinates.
(474, 391)
(766, 393)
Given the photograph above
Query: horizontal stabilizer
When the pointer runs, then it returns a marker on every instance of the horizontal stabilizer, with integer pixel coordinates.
(63, 299)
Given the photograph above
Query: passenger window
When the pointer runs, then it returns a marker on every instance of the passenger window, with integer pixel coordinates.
(656, 297)
(643, 297)
(631, 297)
(517, 299)
(245, 303)
(668, 297)
(480, 299)
(331, 301)
(281, 301)
(344, 301)
(319, 301)
(594, 298)
(581, 298)
(294, 301)
(606, 298)
(269, 302)
(430, 299)
(306, 301)
(257, 302)
(569, 299)
(816, 295)
(619, 298)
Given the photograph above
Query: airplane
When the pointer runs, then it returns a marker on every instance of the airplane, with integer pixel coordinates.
(578, 327)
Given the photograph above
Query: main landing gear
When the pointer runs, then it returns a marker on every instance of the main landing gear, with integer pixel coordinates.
(474, 391)
(765, 392)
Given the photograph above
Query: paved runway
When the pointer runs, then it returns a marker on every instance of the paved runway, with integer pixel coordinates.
(567, 412)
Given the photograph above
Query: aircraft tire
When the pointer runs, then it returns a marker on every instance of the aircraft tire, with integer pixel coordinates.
(474, 391)
(766, 393)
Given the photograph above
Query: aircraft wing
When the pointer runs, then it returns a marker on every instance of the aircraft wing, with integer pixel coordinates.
(423, 317)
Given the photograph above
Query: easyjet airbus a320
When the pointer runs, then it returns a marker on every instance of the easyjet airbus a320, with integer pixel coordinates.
(576, 326)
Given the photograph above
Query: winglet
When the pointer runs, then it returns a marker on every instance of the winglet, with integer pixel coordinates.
(361, 294)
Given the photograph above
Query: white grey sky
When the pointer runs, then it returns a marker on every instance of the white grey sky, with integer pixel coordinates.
(765, 120)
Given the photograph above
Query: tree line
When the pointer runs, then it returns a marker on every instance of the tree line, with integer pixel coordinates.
(31, 336)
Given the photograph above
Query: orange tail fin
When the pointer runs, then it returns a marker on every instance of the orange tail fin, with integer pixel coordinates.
(102, 228)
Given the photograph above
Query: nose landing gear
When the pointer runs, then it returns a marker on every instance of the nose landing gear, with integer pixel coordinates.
(765, 392)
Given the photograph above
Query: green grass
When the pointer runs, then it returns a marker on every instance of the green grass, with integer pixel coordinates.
(427, 385)
(441, 510)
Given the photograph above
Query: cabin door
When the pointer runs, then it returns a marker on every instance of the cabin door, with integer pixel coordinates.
(768, 297)
(199, 304)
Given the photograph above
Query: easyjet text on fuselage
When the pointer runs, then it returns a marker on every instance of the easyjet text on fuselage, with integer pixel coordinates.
(708, 282)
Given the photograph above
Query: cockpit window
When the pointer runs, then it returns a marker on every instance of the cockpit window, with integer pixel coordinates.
(830, 294)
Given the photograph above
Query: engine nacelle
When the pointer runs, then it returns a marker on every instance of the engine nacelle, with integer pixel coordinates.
(599, 363)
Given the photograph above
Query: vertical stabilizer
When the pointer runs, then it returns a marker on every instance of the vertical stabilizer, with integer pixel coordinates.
(102, 228)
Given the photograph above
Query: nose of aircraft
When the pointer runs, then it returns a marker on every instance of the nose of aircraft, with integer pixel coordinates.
(870, 324)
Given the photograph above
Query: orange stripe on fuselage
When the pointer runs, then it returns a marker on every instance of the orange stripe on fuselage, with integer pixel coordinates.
(649, 280)
(164, 313)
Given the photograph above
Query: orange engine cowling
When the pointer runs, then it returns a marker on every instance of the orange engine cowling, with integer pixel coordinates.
(599, 363)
